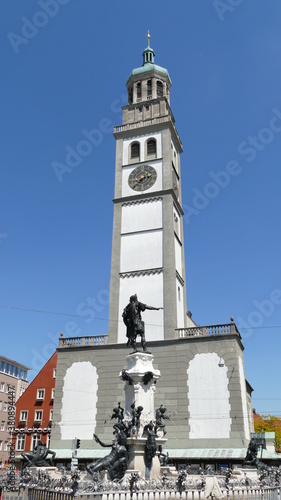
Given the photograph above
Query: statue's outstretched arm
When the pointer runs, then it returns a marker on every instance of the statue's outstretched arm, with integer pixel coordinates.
(101, 443)
(153, 308)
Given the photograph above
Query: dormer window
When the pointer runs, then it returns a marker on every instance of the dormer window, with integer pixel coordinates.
(159, 88)
(135, 151)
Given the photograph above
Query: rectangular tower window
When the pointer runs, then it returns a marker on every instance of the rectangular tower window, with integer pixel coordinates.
(139, 90)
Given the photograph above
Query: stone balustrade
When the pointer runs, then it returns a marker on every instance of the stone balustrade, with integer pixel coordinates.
(207, 331)
(88, 341)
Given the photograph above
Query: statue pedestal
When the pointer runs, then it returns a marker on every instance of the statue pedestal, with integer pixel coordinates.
(140, 379)
(137, 457)
(140, 386)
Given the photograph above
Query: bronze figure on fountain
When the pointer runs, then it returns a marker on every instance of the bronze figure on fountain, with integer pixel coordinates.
(133, 321)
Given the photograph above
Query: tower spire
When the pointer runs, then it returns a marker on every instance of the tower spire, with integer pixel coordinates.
(148, 53)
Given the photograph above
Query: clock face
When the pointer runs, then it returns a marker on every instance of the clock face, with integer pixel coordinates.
(142, 178)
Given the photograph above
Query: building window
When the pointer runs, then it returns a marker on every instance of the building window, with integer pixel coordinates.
(135, 151)
(23, 415)
(5, 406)
(139, 90)
(53, 394)
(20, 442)
(35, 441)
(51, 416)
(151, 147)
(159, 87)
(2, 425)
(130, 95)
(54, 372)
(6, 446)
(38, 415)
(40, 394)
(0, 405)
(1, 445)
(2, 386)
(10, 388)
(149, 88)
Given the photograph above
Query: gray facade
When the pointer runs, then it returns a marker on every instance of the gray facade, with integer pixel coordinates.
(172, 358)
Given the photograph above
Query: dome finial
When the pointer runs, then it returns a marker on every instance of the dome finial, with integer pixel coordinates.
(148, 38)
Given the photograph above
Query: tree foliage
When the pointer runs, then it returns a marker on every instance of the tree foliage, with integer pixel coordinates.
(269, 423)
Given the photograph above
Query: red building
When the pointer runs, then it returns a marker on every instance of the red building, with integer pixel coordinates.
(34, 409)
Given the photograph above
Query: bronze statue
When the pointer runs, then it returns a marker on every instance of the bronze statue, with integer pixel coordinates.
(136, 413)
(38, 457)
(132, 319)
(116, 462)
(118, 413)
(251, 459)
(160, 416)
(150, 447)
(163, 457)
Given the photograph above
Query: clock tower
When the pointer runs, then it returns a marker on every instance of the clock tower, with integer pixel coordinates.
(148, 246)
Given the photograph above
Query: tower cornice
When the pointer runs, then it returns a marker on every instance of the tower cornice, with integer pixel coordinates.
(149, 126)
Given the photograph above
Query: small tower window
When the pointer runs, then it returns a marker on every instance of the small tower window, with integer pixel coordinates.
(130, 96)
(151, 147)
(159, 87)
(139, 90)
(135, 150)
(149, 88)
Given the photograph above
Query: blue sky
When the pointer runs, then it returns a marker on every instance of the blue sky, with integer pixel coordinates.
(64, 65)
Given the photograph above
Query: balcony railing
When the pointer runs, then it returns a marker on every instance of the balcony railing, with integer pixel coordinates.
(89, 341)
(208, 331)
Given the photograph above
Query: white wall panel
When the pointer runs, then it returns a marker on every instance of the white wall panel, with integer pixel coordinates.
(208, 397)
(142, 216)
(79, 401)
(149, 290)
(141, 251)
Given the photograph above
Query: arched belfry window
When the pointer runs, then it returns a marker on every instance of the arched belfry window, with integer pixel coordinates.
(151, 148)
(160, 88)
(130, 95)
(139, 90)
(149, 88)
(135, 151)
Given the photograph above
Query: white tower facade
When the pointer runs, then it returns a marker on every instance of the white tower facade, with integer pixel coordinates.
(148, 246)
